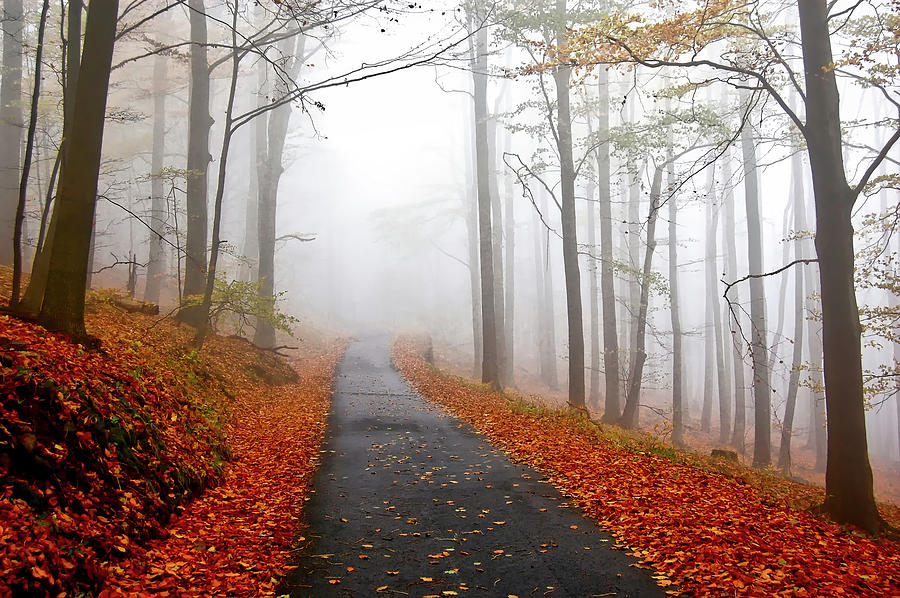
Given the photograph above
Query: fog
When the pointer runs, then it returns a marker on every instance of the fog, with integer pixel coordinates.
(380, 178)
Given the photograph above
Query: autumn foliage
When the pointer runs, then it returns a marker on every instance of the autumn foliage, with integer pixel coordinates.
(101, 451)
(708, 532)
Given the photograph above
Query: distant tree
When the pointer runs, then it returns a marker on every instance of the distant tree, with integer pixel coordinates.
(11, 122)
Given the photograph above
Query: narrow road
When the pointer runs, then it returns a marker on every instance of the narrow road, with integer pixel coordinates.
(409, 501)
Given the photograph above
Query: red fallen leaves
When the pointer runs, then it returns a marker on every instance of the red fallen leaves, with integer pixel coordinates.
(236, 539)
(99, 450)
(712, 534)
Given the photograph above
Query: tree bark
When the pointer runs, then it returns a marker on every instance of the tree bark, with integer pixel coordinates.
(629, 418)
(198, 160)
(613, 402)
(267, 201)
(158, 211)
(37, 282)
(490, 372)
(594, 294)
(574, 315)
(497, 251)
(674, 311)
(714, 312)
(849, 495)
(728, 241)
(63, 306)
(510, 287)
(26, 162)
(712, 365)
(787, 429)
(11, 122)
(762, 402)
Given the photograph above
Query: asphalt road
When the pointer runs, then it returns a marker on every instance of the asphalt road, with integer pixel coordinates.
(408, 501)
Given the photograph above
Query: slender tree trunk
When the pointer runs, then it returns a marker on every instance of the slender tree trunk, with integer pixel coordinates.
(490, 372)
(712, 366)
(817, 432)
(714, 312)
(278, 121)
(198, 159)
(497, 251)
(728, 241)
(158, 212)
(569, 226)
(594, 294)
(635, 376)
(37, 282)
(787, 430)
(471, 199)
(849, 495)
(63, 306)
(11, 122)
(762, 402)
(674, 311)
(26, 163)
(228, 132)
(510, 300)
(613, 402)
(548, 314)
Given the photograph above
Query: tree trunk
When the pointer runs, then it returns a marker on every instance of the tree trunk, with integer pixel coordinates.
(674, 311)
(278, 122)
(569, 226)
(594, 294)
(198, 159)
(849, 496)
(629, 418)
(158, 211)
(762, 402)
(613, 402)
(37, 282)
(787, 430)
(713, 365)
(546, 332)
(26, 162)
(63, 306)
(11, 125)
(714, 312)
(728, 241)
(497, 251)
(227, 135)
(471, 207)
(490, 372)
(510, 299)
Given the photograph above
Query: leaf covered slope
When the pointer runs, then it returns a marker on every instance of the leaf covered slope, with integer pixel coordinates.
(99, 451)
(711, 533)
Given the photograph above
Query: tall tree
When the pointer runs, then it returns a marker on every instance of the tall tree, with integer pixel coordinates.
(292, 51)
(574, 317)
(29, 154)
(714, 312)
(63, 306)
(490, 367)
(787, 430)
(674, 307)
(612, 404)
(594, 295)
(158, 211)
(11, 125)
(198, 159)
(762, 402)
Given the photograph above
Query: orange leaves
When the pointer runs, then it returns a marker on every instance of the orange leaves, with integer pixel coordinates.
(710, 534)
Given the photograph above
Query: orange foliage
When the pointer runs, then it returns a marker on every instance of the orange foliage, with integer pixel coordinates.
(99, 451)
(709, 533)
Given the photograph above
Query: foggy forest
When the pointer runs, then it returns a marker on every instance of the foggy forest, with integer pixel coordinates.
(489, 298)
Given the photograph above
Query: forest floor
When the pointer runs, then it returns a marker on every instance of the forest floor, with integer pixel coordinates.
(149, 467)
(410, 501)
(709, 527)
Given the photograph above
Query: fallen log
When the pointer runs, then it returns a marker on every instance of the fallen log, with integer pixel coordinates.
(132, 305)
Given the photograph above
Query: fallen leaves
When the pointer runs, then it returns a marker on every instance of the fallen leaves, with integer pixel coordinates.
(712, 534)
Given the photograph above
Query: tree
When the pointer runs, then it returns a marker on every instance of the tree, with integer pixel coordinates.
(198, 159)
(156, 261)
(11, 125)
(63, 306)
(678, 42)
(490, 365)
